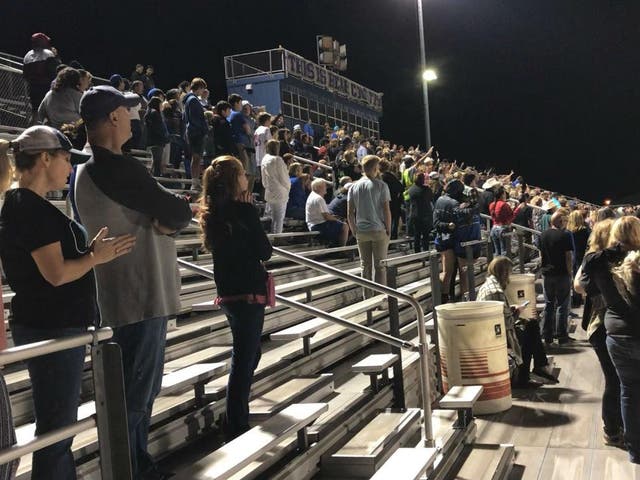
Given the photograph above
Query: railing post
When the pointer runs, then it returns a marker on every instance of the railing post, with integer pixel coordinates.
(489, 250)
(434, 271)
(507, 245)
(111, 412)
(471, 277)
(394, 329)
(521, 251)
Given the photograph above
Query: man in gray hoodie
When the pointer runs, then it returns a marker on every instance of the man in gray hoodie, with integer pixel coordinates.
(136, 295)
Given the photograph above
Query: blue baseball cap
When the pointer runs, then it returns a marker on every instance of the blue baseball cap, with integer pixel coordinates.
(154, 92)
(98, 102)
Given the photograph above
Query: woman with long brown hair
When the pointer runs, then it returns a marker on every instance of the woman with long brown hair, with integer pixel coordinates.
(234, 235)
(593, 323)
(622, 323)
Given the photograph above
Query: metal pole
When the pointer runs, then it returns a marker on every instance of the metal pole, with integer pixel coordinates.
(471, 279)
(434, 272)
(521, 252)
(394, 329)
(423, 66)
(111, 412)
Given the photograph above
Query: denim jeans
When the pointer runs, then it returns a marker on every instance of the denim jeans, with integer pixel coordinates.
(499, 244)
(625, 355)
(246, 321)
(55, 382)
(372, 247)
(557, 295)
(611, 416)
(142, 345)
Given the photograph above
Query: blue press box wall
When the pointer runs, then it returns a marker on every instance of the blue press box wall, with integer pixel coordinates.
(267, 90)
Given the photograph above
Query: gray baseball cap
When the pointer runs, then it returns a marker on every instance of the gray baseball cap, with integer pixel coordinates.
(42, 138)
(99, 102)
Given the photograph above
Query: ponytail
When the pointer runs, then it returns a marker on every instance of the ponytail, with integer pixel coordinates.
(6, 168)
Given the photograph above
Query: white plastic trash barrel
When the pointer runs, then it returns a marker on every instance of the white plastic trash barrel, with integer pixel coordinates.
(473, 351)
(522, 287)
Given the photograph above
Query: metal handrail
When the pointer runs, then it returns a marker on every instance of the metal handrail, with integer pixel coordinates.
(45, 347)
(370, 332)
(311, 162)
(421, 348)
(46, 439)
(114, 449)
(425, 384)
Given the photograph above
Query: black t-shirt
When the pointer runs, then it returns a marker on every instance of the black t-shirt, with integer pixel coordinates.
(27, 223)
(554, 244)
(523, 216)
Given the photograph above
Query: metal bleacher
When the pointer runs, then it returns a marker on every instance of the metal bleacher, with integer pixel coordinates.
(330, 399)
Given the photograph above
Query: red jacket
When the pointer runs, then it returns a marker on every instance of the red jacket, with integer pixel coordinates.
(501, 212)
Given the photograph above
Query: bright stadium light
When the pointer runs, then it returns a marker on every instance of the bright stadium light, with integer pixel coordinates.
(429, 75)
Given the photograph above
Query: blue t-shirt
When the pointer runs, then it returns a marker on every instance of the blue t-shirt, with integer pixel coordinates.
(237, 121)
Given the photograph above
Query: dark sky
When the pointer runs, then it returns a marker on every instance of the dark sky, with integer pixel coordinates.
(548, 87)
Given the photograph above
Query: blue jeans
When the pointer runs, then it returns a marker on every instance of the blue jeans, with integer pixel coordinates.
(557, 295)
(611, 416)
(499, 244)
(625, 355)
(246, 321)
(142, 345)
(55, 382)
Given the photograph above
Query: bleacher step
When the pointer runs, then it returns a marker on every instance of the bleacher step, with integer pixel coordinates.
(237, 454)
(296, 390)
(485, 462)
(407, 464)
(363, 454)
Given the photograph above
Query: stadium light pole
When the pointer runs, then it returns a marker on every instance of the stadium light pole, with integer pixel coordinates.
(423, 69)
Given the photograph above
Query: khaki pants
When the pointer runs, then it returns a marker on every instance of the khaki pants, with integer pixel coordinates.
(372, 247)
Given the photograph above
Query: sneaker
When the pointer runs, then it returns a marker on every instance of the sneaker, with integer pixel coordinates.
(545, 372)
(614, 440)
(527, 385)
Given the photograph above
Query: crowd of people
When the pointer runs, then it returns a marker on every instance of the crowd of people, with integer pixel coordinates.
(68, 274)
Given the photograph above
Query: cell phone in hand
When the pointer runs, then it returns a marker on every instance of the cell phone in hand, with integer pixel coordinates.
(525, 304)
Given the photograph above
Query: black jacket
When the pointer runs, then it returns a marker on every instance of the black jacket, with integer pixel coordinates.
(622, 316)
(420, 204)
(239, 246)
(157, 133)
(396, 190)
(222, 139)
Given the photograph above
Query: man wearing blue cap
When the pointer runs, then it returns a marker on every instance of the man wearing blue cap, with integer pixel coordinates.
(136, 296)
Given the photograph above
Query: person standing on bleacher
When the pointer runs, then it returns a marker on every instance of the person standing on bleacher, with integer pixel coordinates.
(235, 237)
(136, 294)
(49, 262)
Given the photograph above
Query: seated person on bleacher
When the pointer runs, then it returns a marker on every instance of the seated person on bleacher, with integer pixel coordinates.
(338, 206)
(319, 219)
(523, 335)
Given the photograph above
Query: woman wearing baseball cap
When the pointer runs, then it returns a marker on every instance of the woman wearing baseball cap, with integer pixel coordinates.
(48, 261)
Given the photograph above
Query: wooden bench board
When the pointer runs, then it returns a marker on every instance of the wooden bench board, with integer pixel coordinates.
(235, 455)
(375, 363)
(407, 464)
(461, 396)
(185, 378)
(311, 326)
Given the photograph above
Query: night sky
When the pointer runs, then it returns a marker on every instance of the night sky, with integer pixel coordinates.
(548, 87)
